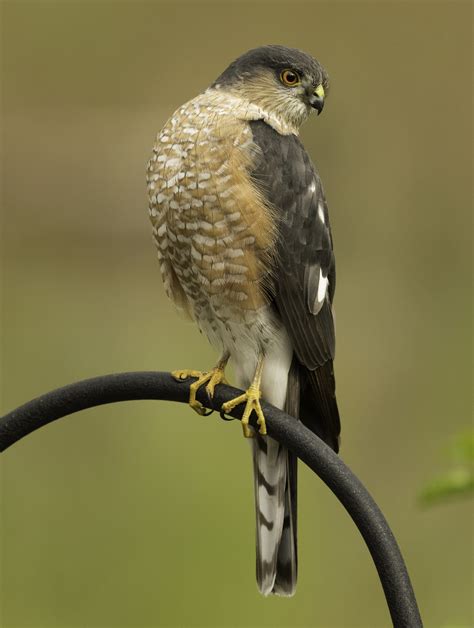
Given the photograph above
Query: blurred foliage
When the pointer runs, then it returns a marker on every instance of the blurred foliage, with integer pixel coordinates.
(459, 480)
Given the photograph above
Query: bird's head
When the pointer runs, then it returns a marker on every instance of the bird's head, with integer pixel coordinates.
(285, 82)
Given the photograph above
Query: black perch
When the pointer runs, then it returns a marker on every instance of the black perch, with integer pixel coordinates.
(292, 434)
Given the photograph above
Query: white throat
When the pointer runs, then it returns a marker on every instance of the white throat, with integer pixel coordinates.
(244, 109)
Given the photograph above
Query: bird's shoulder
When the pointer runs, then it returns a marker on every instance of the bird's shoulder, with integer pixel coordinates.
(285, 175)
(304, 268)
(282, 163)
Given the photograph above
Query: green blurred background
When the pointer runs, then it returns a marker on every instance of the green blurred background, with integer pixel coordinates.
(141, 514)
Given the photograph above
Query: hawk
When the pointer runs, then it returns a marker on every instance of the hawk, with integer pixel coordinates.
(241, 225)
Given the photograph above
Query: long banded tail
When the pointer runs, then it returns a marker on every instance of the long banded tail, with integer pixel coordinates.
(275, 475)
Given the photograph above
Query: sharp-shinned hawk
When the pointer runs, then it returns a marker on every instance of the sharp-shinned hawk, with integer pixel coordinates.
(242, 230)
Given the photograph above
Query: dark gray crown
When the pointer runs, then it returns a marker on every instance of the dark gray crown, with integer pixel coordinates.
(276, 58)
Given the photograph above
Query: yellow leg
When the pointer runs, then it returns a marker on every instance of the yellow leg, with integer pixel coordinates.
(251, 398)
(212, 378)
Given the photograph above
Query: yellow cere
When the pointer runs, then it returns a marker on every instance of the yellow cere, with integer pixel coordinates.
(319, 91)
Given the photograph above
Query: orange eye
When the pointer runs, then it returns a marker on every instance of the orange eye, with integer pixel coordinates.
(289, 78)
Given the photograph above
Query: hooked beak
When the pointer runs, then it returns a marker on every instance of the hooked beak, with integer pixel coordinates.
(316, 99)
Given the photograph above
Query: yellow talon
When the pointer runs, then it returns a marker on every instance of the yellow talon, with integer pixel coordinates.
(217, 377)
(185, 373)
(251, 398)
(212, 378)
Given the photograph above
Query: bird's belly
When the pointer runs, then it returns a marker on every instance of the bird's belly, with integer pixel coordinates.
(215, 260)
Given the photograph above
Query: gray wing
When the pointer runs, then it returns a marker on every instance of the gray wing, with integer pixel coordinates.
(304, 274)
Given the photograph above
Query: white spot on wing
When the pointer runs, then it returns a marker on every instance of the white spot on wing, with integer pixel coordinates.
(322, 286)
(321, 213)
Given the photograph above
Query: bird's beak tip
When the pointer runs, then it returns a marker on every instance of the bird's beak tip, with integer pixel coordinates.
(316, 99)
(317, 103)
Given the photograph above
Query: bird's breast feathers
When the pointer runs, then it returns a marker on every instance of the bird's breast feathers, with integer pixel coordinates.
(214, 231)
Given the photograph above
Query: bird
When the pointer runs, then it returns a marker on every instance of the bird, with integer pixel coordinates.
(241, 226)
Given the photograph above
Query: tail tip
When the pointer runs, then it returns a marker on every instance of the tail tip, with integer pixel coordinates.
(280, 589)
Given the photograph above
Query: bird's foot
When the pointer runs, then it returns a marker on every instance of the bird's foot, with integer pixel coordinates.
(212, 378)
(251, 398)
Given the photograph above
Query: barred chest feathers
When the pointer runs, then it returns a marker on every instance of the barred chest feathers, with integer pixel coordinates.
(214, 234)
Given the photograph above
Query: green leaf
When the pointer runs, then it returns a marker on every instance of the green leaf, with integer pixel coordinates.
(462, 448)
(458, 481)
(455, 482)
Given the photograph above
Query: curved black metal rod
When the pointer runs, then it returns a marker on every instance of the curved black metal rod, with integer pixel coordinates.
(293, 434)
